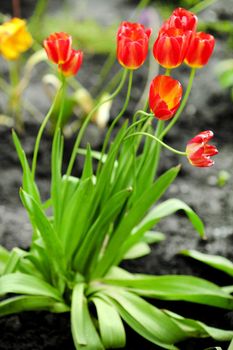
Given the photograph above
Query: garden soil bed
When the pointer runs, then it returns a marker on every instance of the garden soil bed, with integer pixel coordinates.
(208, 108)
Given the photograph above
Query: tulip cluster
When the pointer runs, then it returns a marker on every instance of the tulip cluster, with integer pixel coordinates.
(58, 47)
(14, 38)
(177, 42)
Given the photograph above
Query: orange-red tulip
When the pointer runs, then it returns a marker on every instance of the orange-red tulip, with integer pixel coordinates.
(164, 96)
(72, 66)
(181, 19)
(199, 151)
(171, 47)
(200, 49)
(132, 44)
(58, 47)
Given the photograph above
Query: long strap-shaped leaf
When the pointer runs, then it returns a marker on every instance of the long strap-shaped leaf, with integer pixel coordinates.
(199, 329)
(112, 332)
(28, 184)
(146, 319)
(83, 330)
(132, 218)
(218, 262)
(4, 257)
(30, 303)
(172, 287)
(52, 244)
(21, 283)
(155, 215)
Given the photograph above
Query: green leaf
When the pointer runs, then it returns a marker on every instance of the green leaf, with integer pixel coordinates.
(231, 345)
(173, 287)
(199, 329)
(14, 258)
(145, 319)
(75, 216)
(30, 303)
(87, 170)
(25, 284)
(4, 256)
(56, 181)
(48, 235)
(92, 244)
(137, 251)
(28, 184)
(215, 261)
(83, 330)
(113, 332)
(151, 237)
(167, 208)
(132, 218)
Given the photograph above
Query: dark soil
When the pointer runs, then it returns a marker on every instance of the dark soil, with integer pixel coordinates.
(209, 108)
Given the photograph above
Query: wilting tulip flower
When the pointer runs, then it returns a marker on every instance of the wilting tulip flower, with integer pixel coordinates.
(164, 96)
(14, 38)
(171, 47)
(132, 44)
(58, 47)
(200, 49)
(181, 19)
(199, 151)
(72, 66)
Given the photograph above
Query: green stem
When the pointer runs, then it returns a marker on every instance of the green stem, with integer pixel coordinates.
(202, 5)
(15, 95)
(158, 140)
(183, 103)
(108, 135)
(41, 130)
(87, 120)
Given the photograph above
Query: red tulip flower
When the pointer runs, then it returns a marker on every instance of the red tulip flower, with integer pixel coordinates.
(164, 96)
(199, 151)
(132, 44)
(171, 47)
(181, 19)
(58, 47)
(72, 66)
(200, 49)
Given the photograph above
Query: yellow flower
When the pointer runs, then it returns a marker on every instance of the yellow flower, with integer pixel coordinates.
(14, 38)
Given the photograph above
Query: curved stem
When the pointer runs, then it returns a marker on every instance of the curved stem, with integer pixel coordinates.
(158, 140)
(108, 135)
(41, 130)
(183, 103)
(87, 120)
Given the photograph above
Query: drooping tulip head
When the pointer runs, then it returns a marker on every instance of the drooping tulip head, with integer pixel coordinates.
(132, 44)
(164, 96)
(58, 47)
(14, 38)
(199, 151)
(72, 66)
(200, 49)
(171, 47)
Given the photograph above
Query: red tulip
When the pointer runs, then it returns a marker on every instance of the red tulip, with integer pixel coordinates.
(199, 151)
(72, 66)
(132, 44)
(165, 96)
(200, 49)
(58, 47)
(181, 19)
(171, 47)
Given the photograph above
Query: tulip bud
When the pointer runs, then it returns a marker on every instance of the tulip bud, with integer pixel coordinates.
(200, 49)
(171, 47)
(132, 44)
(181, 19)
(58, 47)
(71, 66)
(164, 96)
